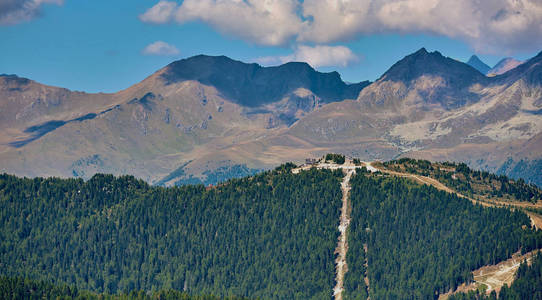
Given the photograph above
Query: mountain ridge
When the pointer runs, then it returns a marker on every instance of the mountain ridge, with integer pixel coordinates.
(244, 82)
(423, 62)
(185, 121)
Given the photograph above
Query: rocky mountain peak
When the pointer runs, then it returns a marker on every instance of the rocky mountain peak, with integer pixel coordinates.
(12, 79)
(413, 66)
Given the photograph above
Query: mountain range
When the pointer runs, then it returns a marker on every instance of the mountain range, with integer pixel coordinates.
(207, 118)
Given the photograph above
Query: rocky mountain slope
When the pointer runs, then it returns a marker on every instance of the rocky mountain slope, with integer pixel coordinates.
(205, 119)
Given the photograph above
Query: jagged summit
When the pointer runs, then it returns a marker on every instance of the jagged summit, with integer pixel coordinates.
(422, 63)
(12, 78)
(478, 64)
(250, 84)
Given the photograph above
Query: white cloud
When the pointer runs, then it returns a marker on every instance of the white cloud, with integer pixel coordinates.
(317, 56)
(17, 11)
(497, 26)
(162, 12)
(160, 48)
(269, 22)
(488, 26)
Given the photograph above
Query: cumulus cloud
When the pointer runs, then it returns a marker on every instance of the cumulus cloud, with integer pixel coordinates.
(317, 56)
(160, 48)
(17, 11)
(488, 26)
(162, 12)
(269, 22)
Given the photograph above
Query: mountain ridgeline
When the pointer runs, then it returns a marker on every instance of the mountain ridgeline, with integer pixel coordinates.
(503, 66)
(207, 113)
(253, 85)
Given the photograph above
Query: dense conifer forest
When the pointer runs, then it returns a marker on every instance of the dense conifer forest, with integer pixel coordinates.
(422, 241)
(268, 236)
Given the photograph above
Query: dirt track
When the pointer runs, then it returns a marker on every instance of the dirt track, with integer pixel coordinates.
(342, 246)
(536, 219)
(494, 277)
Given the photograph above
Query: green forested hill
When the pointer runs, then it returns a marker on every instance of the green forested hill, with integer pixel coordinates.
(269, 236)
(422, 241)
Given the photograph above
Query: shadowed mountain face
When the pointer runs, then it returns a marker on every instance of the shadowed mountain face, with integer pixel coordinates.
(424, 81)
(421, 63)
(206, 118)
(253, 85)
(479, 65)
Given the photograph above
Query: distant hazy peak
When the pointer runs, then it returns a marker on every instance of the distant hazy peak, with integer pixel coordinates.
(478, 64)
(504, 65)
(529, 71)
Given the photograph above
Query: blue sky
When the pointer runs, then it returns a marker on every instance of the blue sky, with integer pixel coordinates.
(98, 46)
